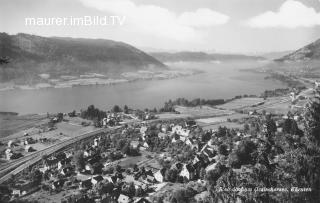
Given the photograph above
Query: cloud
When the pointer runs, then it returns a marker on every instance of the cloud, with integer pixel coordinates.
(291, 14)
(203, 17)
(159, 21)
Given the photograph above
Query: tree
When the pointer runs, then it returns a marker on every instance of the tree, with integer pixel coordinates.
(244, 152)
(4, 60)
(171, 175)
(131, 190)
(312, 120)
(246, 127)
(181, 196)
(36, 177)
(290, 127)
(223, 150)
(125, 109)
(271, 126)
(116, 109)
(79, 160)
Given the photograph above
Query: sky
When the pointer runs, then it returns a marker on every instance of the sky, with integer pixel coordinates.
(237, 26)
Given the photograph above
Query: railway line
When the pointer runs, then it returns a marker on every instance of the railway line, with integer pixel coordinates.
(19, 165)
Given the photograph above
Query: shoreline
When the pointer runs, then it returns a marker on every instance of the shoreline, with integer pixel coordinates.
(76, 81)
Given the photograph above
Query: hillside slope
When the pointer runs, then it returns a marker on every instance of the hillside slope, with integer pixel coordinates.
(31, 55)
(309, 52)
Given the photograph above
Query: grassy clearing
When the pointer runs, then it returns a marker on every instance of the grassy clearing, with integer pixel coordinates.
(241, 103)
(202, 111)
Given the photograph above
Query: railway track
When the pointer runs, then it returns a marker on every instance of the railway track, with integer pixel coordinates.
(19, 165)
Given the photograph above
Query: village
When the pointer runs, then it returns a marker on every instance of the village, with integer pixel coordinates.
(149, 157)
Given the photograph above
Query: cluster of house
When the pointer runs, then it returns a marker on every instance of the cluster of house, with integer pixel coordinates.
(9, 154)
(112, 119)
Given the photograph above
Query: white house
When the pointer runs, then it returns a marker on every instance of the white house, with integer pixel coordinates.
(159, 175)
(96, 179)
(8, 153)
(180, 130)
(123, 199)
(28, 148)
(51, 164)
(143, 130)
(187, 171)
(10, 143)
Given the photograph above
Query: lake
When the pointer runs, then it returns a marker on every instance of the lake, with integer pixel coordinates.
(219, 80)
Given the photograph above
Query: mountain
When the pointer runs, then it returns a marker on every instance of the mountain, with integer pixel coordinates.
(306, 53)
(275, 55)
(200, 56)
(31, 55)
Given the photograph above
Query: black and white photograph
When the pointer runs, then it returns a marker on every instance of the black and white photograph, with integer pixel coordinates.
(159, 101)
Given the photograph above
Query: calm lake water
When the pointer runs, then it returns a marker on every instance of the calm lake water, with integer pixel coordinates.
(222, 80)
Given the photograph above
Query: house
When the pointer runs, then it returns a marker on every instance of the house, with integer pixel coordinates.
(177, 166)
(244, 169)
(174, 140)
(143, 130)
(10, 143)
(8, 153)
(187, 171)
(182, 138)
(86, 153)
(68, 154)
(141, 200)
(196, 160)
(190, 123)
(149, 116)
(66, 171)
(86, 184)
(111, 179)
(28, 148)
(145, 144)
(162, 135)
(211, 167)
(134, 144)
(180, 131)
(123, 199)
(164, 128)
(95, 143)
(192, 143)
(63, 163)
(51, 164)
(16, 193)
(93, 167)
(151, 179)
(96, 180)
(159, 175)
(57, 184)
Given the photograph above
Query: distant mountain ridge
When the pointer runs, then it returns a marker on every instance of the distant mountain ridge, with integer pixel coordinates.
(30, 55)
(308, 52)
(200, 56)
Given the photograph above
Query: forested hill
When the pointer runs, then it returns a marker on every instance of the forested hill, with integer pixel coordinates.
(30, 55)
(308, 52)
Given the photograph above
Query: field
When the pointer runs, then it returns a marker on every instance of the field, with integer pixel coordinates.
(63, 131)
(227, 121)
(275, 105)
(241, 103)
(202, 111)
(10, 124)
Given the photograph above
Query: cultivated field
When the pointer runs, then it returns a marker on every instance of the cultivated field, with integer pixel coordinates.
(241, 103)
(202, 111)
